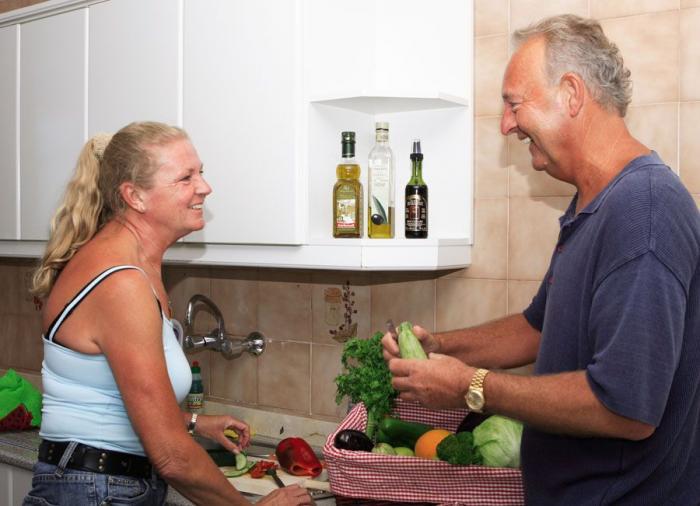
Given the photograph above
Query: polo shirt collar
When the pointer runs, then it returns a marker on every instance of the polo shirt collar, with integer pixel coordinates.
(570, 217)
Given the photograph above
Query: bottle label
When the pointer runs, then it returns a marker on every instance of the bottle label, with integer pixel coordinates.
(416, 214)
(345, 217)
(380, 188)
(195, 403)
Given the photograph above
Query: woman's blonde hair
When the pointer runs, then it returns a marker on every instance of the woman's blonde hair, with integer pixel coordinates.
(93, 195)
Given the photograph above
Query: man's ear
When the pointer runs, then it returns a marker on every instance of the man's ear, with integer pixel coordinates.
(574, 92)
(132, 196)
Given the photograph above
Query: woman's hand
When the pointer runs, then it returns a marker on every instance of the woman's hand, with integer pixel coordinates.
(391, 347)
(213, 426)
(292, 495)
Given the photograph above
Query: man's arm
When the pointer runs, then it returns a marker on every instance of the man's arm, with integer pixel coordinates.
(504, 343)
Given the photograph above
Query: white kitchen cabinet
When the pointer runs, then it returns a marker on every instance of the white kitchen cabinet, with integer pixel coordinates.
(134, 63)
(51, 114)
(9, 190)
(242, 104)
(264, 88)
(15, 483)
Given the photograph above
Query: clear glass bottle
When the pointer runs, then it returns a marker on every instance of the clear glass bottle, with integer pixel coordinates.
(380, 196)
(416, 197)
(347, 192)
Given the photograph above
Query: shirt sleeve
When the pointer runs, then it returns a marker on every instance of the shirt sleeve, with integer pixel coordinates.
(534, 313)
(636, 325)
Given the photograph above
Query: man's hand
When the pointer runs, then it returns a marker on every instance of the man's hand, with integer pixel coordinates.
(437, 383)
(391, 347)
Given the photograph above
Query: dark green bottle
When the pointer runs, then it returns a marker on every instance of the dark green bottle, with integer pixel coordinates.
(416, 197)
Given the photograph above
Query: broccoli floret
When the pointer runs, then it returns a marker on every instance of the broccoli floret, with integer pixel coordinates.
(458, 449)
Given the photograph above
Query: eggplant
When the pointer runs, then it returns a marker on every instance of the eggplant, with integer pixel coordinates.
(353, 440)
(470, 421)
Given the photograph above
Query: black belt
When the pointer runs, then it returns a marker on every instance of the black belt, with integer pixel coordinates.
(96, 460)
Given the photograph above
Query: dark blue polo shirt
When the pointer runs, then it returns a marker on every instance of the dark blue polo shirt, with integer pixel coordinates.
(621, 300)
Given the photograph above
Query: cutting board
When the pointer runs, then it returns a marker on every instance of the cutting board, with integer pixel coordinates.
(265, 485)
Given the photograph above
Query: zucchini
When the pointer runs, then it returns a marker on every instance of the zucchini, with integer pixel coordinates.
(409, 345)
(400, 432)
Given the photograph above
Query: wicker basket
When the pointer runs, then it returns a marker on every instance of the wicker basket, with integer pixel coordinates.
(410, 479)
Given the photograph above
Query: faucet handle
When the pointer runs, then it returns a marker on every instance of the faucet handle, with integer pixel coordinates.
(255, 343)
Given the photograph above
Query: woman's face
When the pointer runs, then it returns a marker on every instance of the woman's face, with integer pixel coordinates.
(176, 199)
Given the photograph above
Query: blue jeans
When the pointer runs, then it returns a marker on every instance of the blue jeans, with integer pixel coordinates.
(57, 486)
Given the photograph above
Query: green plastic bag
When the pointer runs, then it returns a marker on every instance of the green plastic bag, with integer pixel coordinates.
(15, 392)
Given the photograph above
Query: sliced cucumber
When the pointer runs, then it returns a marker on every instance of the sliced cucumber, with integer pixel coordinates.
(232, 472)
(241, 460)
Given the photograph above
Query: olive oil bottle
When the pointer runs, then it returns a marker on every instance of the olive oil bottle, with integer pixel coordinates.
(347, 192)
(380, 191)
(416, 197)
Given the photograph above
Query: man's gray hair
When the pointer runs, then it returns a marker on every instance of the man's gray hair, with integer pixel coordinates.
(578, 45)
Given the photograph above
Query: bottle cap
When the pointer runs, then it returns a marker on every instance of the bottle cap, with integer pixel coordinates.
(416, 154)
(381, 125)
(195, 366)
(347, 137)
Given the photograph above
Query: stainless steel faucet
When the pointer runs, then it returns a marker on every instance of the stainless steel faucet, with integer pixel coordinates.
(218, 339)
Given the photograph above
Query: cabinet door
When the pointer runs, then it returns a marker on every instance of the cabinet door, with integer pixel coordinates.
(8, 133)
(52, 114)
(241, 107)
(133, 63)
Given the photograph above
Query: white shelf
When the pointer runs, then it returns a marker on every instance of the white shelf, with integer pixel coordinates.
(386, 103)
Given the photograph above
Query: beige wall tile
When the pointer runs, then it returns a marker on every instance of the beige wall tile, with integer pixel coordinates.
(184, 282)
(490, 17)
(325, 366)
(490, 59)
(490, 159)
(690, 54)
(649, 44)
(329, 314)
(31, 347)
(527, 182)
(11, 283)
(11, 340)
(520, 294)
(284, 304)
(533, 232)
(403, 296)
(234, 380)
(283, 376)
(490, 250)
(464, 303)
(690, 3)
(657, 127)
(607, 9)
(235, 292)
(689, 165)
(526, 12)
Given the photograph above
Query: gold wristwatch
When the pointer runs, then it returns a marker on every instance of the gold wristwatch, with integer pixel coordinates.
(475, 395)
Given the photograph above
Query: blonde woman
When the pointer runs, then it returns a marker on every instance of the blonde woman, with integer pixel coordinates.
(113, 372)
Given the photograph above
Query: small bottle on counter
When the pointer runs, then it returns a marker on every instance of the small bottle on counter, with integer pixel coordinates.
(416, 197)
(347, 192)
(195, 399)
(380, 197)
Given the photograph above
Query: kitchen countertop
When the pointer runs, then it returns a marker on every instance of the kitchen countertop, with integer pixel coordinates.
(20, 449)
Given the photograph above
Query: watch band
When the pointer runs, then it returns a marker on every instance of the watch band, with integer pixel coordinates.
(192, 424)
(475, 397)
(478, 379)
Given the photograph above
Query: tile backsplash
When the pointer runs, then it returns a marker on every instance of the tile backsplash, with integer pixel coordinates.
(516, 212)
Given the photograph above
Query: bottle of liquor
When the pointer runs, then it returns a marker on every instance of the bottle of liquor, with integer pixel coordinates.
(380, 197)
(416, 197)
(347, 192)
(195, 399)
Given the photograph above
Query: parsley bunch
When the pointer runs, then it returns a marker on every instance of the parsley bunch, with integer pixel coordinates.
(366, 379)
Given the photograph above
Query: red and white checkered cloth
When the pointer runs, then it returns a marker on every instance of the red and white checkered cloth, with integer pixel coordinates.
(410, 479)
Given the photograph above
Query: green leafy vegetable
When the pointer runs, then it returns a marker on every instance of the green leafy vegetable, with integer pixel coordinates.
(497, 439)
(458, 449)
(366, 379)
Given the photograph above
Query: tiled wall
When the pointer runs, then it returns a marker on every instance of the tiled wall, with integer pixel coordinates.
(515, 229)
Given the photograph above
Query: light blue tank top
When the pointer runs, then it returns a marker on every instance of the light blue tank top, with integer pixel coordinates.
(81, 399)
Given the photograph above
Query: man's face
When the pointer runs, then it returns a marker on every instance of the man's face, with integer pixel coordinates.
(531, 106)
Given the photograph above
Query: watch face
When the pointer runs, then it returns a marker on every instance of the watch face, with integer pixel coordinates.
(475, 399)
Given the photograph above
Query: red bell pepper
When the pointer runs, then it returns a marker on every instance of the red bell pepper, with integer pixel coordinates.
(297, 458)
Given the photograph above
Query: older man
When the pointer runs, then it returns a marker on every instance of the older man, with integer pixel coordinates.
(612, 412)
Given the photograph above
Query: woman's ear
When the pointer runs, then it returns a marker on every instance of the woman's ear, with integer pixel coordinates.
(132, 197)
(574, 91)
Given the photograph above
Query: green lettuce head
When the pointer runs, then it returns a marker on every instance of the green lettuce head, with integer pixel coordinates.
(497, 439)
